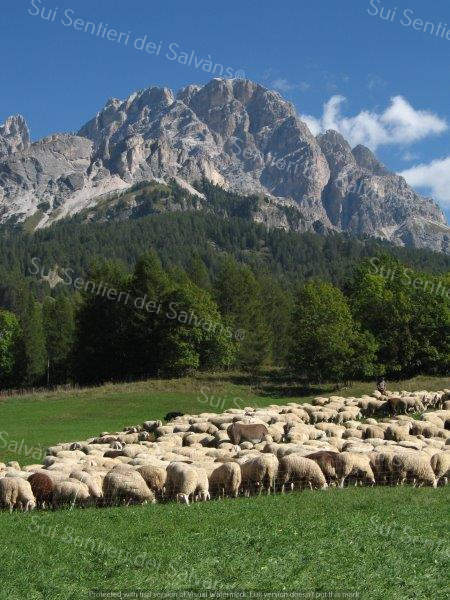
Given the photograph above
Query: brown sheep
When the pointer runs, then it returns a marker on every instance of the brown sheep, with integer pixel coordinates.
(43, 488)
(249, 432)
(113, 453)
(395, 406)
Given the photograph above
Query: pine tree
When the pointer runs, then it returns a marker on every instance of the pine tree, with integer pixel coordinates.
(278, 306)
(149, 284)
(34, 351)
(10, 336)
(198, 273)
(239, 298)
(102, 339)
(59, 325)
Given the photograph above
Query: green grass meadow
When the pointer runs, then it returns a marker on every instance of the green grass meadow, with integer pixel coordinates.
(384, 543)
(381, 542)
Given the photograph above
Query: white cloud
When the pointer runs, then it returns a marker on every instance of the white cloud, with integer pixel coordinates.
(400, 123)
(283, 85)
(434, 176)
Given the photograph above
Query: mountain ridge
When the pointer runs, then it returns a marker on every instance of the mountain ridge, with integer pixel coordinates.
(234, 133)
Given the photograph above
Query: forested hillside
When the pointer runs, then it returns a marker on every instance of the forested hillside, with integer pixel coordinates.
(221, 226)
(206, 288)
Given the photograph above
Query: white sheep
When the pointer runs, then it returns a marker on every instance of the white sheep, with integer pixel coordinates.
(356, 465)
(16, 493)
(225, 479)
(123, 484)
(93, 482)
(259, 472)
(155, 478)
(440, 463)
(70, 492)
(300, 471)
(184, 481)
(415, 466)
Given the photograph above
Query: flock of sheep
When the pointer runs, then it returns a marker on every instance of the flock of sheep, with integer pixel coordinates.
(332, 441)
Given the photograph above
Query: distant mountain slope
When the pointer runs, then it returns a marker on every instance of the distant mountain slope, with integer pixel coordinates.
(233, 133)
(225, 225)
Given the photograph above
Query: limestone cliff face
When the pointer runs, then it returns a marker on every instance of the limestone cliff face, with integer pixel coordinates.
(362, 197)
(235, 133)
(14, 136)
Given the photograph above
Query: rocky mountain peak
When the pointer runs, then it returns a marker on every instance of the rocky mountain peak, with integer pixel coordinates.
(366, 159)
(14, 135)
(336, 149)
(234, 133)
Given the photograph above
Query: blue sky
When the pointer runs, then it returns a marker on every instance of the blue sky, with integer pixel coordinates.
(382, 82)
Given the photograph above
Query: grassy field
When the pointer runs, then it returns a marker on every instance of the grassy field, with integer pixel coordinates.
(385, 543)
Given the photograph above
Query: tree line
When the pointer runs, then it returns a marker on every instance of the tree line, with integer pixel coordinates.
(155, 319)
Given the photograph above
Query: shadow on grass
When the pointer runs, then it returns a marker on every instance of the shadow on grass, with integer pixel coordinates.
(279, 384)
